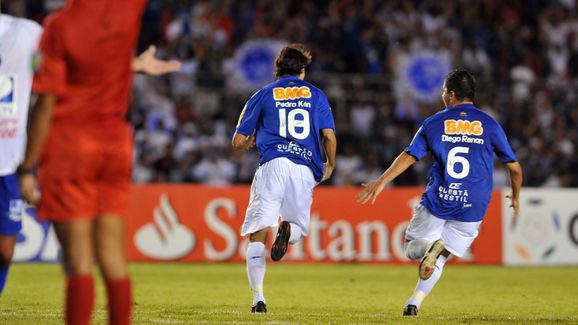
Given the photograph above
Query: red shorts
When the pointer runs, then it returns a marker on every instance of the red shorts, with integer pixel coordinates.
(85, 172)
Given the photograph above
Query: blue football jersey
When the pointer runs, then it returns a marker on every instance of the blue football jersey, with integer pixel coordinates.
(462, 140)
(287, 117)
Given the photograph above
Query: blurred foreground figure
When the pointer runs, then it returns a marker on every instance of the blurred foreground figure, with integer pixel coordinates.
(78, 134)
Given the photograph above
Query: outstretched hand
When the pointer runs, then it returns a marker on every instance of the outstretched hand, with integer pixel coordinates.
(370, 192)
(147, 63)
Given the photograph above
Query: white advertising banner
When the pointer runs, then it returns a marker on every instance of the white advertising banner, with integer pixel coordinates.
(546, 232)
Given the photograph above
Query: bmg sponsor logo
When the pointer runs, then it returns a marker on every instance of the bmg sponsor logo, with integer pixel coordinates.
(280, 93)
(463, 127)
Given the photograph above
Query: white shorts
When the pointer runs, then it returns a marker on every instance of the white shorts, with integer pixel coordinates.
(280, 187)
(457, 235)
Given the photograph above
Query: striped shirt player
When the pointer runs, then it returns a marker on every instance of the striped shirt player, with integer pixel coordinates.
(18, 41)
(462, 141)
(292, 123)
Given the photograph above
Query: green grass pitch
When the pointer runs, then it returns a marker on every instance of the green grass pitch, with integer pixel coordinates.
(309, 294)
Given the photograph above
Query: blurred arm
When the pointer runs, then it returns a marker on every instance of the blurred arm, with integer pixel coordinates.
(516, 178)
(243, 142)
(372, 190)
(330, 147)
(147, 63)
(38, 126)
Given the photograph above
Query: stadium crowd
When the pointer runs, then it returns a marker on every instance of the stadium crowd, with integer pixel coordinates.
(523, 53)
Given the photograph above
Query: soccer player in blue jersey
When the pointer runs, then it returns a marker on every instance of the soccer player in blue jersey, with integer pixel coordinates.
(462, 141)
(291, 122)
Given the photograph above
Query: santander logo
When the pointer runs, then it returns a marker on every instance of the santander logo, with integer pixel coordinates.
(165, 238)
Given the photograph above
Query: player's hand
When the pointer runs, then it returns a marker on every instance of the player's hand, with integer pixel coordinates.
(327, 172)
(514, 204)
(371, 191)
(28, 188)
(147, 63)
(249, 142)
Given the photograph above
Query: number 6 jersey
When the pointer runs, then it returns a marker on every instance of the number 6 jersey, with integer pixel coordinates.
(287, 117)
(462, 140)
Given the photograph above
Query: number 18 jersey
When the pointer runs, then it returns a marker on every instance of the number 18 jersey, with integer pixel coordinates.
(287, 117)
(462, 140)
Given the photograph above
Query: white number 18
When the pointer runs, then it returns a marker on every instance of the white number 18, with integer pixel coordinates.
(289, 122)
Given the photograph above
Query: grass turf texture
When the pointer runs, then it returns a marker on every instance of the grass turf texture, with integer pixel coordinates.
(311, 294)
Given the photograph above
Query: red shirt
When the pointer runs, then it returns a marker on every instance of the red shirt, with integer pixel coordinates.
(86, 54)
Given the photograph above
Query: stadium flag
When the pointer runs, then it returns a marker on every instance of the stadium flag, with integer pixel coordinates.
(421, 75)
(251, 67)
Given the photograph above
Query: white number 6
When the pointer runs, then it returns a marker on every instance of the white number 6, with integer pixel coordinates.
(454, 159)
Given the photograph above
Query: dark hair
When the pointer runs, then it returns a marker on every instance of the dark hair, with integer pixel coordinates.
(462, 83)
(292, 59)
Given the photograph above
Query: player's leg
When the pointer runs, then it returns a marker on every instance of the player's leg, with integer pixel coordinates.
(76, 241)
(457, 237)
(424, 287)
(295, 209)
(424, 229)
(112, 201)
(262, 214)
(11, 211)
(110, 247)
(256, 268)
(6, 252)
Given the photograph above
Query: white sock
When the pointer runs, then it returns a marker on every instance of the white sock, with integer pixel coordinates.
(256, 270)
(296, 233)
(415, 249)
(424, 287)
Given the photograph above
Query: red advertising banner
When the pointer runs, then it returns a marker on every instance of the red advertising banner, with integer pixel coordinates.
(199, 223)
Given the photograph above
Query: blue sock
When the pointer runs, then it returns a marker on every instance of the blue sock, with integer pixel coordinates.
(3, 276)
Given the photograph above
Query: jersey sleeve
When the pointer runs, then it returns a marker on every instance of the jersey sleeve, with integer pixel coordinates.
(418, 147)
(501, 146)
(34, 34)
(250, 115)
(50, 64)
(326, 116)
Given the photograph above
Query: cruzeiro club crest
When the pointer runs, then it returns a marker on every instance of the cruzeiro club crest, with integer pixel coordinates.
(7, 96)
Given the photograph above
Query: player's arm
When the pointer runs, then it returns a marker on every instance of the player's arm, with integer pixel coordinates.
(243, 142)
(147, 63)
(330, 147)
(516, 178)
(38, 125)
(372, 190)
(244, 137)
